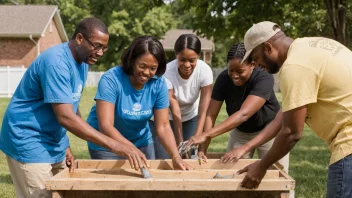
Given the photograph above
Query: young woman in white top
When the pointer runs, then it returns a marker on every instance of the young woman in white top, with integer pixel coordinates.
(189, 82)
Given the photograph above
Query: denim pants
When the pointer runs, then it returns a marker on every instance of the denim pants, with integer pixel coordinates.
(107, 155)
(339, 184)
(188, 129)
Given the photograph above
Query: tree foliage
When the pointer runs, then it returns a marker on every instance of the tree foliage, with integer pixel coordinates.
(125, 20)
(228, 20)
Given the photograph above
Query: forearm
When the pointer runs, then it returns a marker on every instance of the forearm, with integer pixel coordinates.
(80, 128)
(284, 142)
(230, 123)
(205, 97)
(176, 117)
(112, 132)
(167, 139)
(209, 124)
(200, 122)
(176, 120)
(268, 133)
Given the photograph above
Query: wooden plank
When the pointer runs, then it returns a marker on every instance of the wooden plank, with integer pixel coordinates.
(166, 184)
(117, 177)
(285, 175)
(168, 194)
(159, 174)
(162, 164)
(62, 174)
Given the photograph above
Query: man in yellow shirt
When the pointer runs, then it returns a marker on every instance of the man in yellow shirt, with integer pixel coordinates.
(315, 76)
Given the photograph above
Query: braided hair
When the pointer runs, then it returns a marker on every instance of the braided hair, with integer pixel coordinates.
(237, 51)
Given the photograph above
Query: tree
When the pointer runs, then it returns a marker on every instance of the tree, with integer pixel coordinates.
(338, 16)
(231, 18)
(125, 20)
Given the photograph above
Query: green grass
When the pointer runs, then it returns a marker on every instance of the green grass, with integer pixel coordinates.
(308, 160)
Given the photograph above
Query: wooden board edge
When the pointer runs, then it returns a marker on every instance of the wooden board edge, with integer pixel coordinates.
(64, 174)
(167, 184)
(161, 164)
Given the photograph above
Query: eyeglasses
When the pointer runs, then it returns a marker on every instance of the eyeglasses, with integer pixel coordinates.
(96, 48)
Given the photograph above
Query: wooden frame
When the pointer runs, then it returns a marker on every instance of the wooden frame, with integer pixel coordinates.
(112, 178)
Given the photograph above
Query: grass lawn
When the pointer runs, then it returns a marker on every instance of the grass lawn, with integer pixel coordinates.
(308, 160)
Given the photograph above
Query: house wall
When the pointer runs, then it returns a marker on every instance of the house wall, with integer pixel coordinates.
(17, 51)
(207, 56)
(22, 51)
(50, 38)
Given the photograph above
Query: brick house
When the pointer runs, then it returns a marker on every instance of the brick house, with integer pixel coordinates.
(171, 36)
(28, 30)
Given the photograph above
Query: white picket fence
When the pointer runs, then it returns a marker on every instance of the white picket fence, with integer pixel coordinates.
(10, 76)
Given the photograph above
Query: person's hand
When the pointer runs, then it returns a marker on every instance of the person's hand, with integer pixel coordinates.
(202, 158)
(234, 155)
(196, 140)
(70, 160)
(179, 164)
(135, 157)
(255, 174)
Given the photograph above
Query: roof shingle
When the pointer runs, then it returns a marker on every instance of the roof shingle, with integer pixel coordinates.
(25, 19)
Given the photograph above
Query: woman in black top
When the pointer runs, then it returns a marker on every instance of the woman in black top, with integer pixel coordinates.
(251, 105)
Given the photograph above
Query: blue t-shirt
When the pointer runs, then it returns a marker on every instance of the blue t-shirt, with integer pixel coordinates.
(30, 131)
(133, 108)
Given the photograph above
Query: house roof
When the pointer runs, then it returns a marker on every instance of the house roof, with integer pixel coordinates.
(25, 20)
(171, 36)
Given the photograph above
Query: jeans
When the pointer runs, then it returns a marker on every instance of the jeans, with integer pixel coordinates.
(188, 129)
(339, 184)
(107, 155)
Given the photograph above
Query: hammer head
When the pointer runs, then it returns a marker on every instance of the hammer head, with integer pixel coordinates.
(146, 174)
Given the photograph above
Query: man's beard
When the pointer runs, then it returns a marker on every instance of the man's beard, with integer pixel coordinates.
(270, 66)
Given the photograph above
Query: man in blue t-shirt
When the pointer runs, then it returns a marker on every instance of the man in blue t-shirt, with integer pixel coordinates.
(45, 105)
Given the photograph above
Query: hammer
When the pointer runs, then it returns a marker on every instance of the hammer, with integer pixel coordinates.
(146, 174)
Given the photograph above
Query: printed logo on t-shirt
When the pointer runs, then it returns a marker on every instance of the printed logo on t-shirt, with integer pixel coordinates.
(76, 96)
(136, 107)
(136, 110)
(326, 44)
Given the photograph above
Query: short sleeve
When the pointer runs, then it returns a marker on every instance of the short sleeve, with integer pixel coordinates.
(207, 76)
(168, 83)
(107, 89)
(299, 86)
(162, 99)
(263, 86)
(219, 89)
(56, 83)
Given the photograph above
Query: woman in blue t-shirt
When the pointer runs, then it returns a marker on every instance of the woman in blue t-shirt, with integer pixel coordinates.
(127, 97)
(251, 105)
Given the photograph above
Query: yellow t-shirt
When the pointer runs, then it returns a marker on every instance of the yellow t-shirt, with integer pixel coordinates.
(318, 73)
